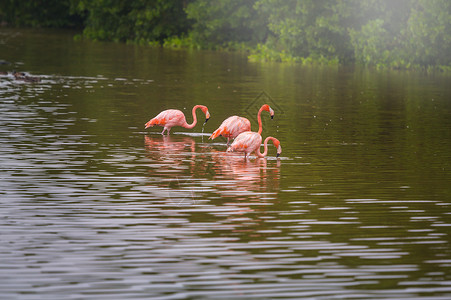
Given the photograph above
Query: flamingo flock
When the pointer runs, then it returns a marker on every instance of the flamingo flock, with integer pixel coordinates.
(234, 127)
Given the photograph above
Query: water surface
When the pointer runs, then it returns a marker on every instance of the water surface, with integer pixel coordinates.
(94, 206)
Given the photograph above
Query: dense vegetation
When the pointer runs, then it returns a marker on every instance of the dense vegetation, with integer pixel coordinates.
(385, 33)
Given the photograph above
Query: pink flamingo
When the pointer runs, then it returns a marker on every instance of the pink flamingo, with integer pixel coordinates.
(249, 142)
(234, 125)
(174, 117)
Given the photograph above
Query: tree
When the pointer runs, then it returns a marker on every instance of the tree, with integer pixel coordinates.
(220, 23)
(391, 33)
(428, 33)
(138, 20)
(39, 13)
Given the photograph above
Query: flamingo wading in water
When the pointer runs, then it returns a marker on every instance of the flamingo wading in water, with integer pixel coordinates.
(174, 117)
(249, 142)
(234, 125)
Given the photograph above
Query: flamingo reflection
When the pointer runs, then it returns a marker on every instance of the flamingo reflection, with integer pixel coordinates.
(246, 176)
(176, 157)
(182, 167)
(168, 147)
(170, 156)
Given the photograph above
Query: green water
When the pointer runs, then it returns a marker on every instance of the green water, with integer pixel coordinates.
(94, 206)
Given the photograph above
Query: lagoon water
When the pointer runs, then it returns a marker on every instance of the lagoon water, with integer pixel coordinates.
(92, 206)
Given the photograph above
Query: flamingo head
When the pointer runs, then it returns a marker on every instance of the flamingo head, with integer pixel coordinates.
(267, 108)
(277, 145)
(206, 112)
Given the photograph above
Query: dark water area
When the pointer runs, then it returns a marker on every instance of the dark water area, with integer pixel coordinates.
(92, 206)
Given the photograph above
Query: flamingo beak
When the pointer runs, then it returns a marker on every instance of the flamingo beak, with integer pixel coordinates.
(206, 120)
(279, 151)
(207, 117)
(272, 117)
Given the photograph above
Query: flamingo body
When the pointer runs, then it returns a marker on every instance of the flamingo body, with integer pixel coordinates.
(235, 125)
(232, 127)
(174, 117)
(248, 142)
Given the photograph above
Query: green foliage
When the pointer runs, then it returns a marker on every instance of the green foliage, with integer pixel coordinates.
(139, 21)
(370, 42)
(381, 33)
(217, 23)
(428, 33)
(39, 13)
(179, 42)
(304, 28)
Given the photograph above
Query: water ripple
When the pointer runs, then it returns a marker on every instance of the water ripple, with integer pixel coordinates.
(91, 206)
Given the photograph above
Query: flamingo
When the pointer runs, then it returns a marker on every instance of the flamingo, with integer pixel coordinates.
(174, 117)
(249, 142)
(234, 125)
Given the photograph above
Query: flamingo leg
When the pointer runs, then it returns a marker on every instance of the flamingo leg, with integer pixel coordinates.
(169, 129)
(164, 128)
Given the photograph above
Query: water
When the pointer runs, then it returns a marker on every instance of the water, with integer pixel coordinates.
(95, 207)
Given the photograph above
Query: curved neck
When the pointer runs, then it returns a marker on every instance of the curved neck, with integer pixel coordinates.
(265, 145)
(189, 126)
(259, 118)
